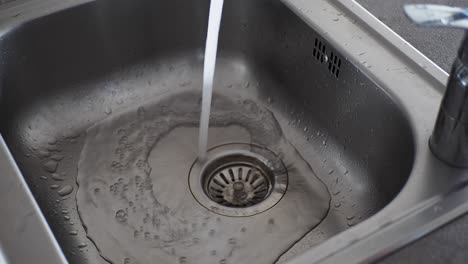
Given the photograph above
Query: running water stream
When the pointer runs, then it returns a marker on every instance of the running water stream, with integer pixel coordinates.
(214, 21)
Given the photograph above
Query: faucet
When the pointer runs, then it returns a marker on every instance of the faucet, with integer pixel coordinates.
(449, 140)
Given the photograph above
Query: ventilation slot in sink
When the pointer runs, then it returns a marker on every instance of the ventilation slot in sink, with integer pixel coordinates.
(334, 64)
(319, 51)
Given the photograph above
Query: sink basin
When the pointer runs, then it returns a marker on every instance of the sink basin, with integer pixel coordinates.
(76, 68)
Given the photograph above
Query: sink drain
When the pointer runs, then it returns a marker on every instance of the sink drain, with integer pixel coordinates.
(238, 180)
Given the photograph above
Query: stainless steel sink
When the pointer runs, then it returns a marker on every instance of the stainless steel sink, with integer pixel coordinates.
(64, 70)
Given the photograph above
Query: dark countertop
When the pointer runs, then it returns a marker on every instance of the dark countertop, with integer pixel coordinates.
(438, 44)
(448, 244)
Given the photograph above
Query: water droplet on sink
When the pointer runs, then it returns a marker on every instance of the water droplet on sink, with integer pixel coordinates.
(232, 241)
(66, 217)
(182, 260)
(73, 232)
(57, 157)
(82, 245)
(350, 217)
(108, 111)
(141, 111)
(43, 178)
(44, 153)
(212, 232)
(346, 172)
(65, 190)
(331, 171)
(336, 191)
(50, 166)
(57, 177)
(351, 222)
(337, 204)
(54, 186)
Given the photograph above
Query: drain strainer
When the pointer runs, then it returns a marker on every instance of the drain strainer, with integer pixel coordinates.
(238, 180)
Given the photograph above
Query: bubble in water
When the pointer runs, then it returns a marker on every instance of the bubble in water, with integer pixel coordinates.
(65, 190)
(50, 166)
(121, 216)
